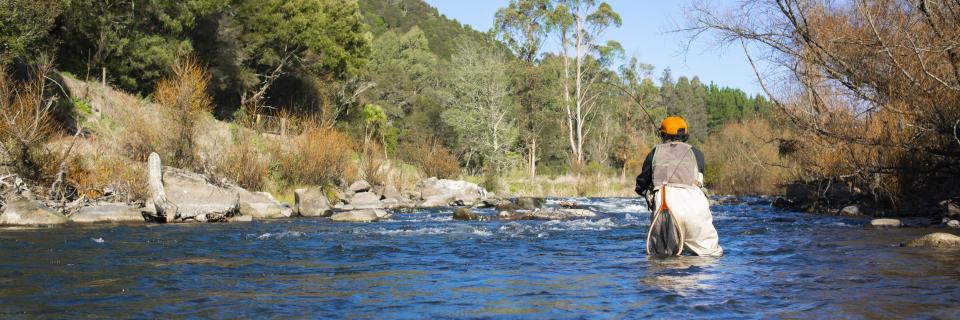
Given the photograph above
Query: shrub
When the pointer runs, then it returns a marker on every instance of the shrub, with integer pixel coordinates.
(91, 176)
(743, 159)
(431, 158)
(318, 156)
(244, 164)
(184, 103)
(26, 122)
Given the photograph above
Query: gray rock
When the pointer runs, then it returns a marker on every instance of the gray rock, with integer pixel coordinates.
(342, 207)
(953, 224)
(850, 211)
(560, 214)
(360, 186)
(365, 215)
(529, 203)
(391, 192)
(546, 214)
(311, 202)
(950, 209)
(433, 189)
(261, 205)
(108, 212)
(465, 214)
(366, 200)
(21, 211)
(240, 219)
(936, 240)
(885, 223)
(196, 199)
(437, 201)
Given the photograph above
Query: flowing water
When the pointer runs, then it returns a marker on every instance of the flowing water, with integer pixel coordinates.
(423, 264)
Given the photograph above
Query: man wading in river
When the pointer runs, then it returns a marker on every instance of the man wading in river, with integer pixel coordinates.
(672, 175)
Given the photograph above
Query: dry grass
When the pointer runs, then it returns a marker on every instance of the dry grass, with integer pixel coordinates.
(244, 164)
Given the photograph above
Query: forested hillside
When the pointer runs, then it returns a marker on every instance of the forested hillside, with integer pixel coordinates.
(394, 84)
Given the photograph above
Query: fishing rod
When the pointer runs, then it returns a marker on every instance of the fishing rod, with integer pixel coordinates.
(653, 122)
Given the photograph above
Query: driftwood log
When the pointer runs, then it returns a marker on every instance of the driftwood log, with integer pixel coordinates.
(165, 210)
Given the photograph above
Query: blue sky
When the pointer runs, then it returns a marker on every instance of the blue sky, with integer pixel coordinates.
(645, 34)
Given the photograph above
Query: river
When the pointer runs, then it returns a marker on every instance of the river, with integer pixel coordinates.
(423, 264)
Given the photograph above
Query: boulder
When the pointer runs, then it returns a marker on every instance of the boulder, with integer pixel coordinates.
(953, 224)
(22, 211)
(360, 186)
(240, 219)
(433, 189)
(341, 207)
(311, 202)
(569, 204)
(261, 205)
(936, 240)
(108, 212)
(465, 214)
(437, 201)
(391, 192)
(365, 215)
(196, 199)
(366, 200)
(850, 211)
(783, 203)
(885, 223)
(529, 203)
(950, 209)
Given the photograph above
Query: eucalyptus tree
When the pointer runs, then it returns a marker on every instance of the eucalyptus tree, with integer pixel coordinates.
(523, 26)
(579, 25)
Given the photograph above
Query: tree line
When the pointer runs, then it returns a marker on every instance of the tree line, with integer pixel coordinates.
(395, 75)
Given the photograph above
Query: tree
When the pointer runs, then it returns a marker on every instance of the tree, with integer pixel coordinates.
(523, 27)
(579, 24)
(24, 25)
(135, 41)
(480, 104)
(255, 43)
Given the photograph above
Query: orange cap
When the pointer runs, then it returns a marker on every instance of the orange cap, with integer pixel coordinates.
(672, 125)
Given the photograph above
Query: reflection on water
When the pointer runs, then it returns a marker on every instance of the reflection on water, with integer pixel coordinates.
(685, 275)
(424, 264)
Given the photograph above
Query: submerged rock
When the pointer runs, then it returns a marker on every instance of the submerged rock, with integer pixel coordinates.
(936, 240)
(311, 202)
(886, 223)
(546, 214)
(22, 211)
(465, 214)
(108, 212)
(365, 215)
(529, 203)
(850, 211)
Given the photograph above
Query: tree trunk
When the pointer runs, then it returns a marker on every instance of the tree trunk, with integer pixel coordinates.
(532, 158)
(165, 211)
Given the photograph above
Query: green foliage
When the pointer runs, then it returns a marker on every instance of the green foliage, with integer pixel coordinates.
(24, 28)
(402, 16)
(481, 106)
